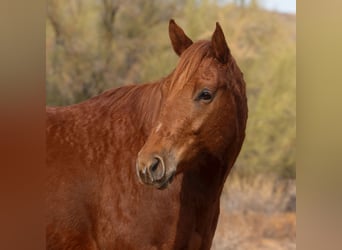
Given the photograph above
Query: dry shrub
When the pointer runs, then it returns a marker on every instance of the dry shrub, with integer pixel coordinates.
(260, 193)
(255, 214)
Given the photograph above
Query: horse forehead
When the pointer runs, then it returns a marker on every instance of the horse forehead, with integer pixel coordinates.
(206, 68)
(205, 72)
(208, 74)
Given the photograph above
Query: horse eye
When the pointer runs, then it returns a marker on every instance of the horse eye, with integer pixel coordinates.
(205, 95)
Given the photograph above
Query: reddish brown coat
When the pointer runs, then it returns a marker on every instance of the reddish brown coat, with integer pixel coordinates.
(108, 157)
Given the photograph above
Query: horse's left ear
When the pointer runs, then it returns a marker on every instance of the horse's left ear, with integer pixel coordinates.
(219, 45)
(179, 40)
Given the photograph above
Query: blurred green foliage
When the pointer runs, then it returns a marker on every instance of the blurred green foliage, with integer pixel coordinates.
(95, 45)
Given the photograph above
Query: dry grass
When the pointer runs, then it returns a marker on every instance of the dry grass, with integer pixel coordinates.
(257, 213)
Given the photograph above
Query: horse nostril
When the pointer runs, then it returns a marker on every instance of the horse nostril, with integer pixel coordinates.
(154, 165)
(156, 169)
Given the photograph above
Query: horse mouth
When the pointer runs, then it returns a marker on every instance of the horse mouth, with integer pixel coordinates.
(165, 183)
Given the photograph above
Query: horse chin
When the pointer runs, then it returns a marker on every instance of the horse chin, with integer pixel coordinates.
(165, 183)
(163, 186)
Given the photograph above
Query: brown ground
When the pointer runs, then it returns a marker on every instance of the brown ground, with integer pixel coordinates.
(257, 214)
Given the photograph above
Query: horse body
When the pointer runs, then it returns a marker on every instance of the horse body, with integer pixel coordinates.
(101, 152)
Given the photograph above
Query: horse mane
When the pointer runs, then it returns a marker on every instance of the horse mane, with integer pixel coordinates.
(147, 98)
(141, 102)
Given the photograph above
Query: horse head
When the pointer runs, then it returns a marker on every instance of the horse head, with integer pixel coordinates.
(199, 114)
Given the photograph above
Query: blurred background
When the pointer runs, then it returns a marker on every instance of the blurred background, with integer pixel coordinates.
(94, 45)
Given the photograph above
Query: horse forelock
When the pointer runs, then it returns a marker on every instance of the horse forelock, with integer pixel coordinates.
(193, 57)
(190, 61)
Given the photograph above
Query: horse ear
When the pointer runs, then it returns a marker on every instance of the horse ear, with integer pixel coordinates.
(219, 45)
(179, 40)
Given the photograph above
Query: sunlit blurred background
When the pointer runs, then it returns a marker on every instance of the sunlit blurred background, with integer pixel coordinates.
(94, 45)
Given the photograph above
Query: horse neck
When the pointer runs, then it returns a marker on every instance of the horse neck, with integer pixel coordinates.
(203, 181)
(137, 104)
(149, 99)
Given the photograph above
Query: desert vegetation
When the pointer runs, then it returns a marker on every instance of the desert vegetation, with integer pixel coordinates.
(94, 45)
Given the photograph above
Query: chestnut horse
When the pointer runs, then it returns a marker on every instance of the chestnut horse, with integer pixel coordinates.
(143, 166)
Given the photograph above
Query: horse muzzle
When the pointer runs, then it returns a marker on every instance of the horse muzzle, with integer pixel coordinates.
(151, 170)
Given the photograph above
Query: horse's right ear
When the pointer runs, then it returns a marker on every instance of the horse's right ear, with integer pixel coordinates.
(179, 40)
(219, 45)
